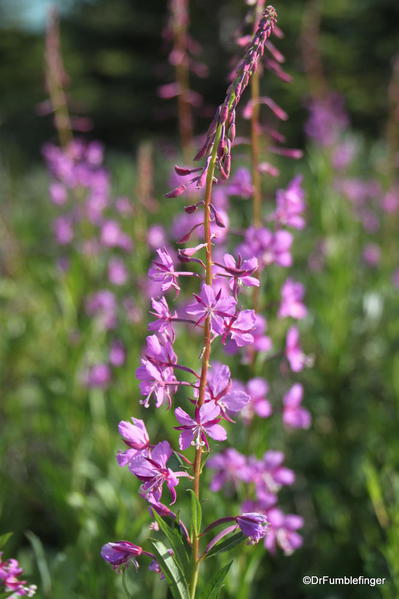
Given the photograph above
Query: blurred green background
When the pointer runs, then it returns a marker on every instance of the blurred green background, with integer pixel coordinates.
(59, 478)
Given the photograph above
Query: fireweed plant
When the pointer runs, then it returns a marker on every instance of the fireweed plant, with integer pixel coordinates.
(92, 228)
(11, 585)
(183, 57)
(177, 551)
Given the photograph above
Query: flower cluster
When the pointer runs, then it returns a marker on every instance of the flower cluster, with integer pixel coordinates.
(262, 479)
(206, 399)
(10, 571)
(93, 226)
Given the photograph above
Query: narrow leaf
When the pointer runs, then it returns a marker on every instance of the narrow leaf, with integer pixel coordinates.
(41, 562)
(196, 513)
(214, 586)
(227, 544)
(4, 538)
(176, 580)
(174, 535)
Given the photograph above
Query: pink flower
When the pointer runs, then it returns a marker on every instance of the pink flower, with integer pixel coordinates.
(121, 553)
(239, 272)
(214, 305)
(163, 271)
(291, 305)
(117, 271)
(195, 431)
(294, 415)
(293, 351)
(154, 473)
(253, 525)
(291, 205)
(231, 466)
(282, 531)
(135, 436)
(240, 328)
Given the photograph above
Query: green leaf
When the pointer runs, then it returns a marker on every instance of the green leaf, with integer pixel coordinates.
(175, 578)
(174, 535)
(227, 544)
(196, 514)
(4, 538)
(41, 562)
(214, 586)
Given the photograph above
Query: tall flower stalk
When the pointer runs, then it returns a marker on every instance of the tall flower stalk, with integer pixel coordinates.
(217, 313)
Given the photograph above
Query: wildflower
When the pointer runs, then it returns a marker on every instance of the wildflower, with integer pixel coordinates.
(230, 466)
(269, 474)
(99, 376)
(195, 431)
(220, 390)
(63, 230)
(293, 351)
(256, 389)
(135, 436)
(239, 272)
(164, 318)
(282, 531)
(10, 571)
(291, 205)
(117, 271)
(294, 415)
(240, 328)
(121, 553)
(117, 354)
(213, 305)
(291, 305)
(156, 373)
(154, 473)
(253, 525)
(163, 271)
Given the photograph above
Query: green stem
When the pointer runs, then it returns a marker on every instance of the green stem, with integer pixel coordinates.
(207, 344)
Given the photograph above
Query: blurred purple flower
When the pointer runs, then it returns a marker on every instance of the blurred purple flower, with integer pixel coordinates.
(294, 415)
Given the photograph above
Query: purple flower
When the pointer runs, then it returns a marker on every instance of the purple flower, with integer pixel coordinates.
(163, 324)
(99, 376)
(10, 570)
(230, 466)
(291, 205)
(117, 271)
(267, 247)
(257, 389)
(156, 237)
(102, 304)
(117, 354)
(253, 525)
(293, 351)
(241, 183)
(214, 305)
(239, 271)
(282, 531)
(135, 435)
(220, 390)
(113, 236)
(240, 328)
(371, 254)
(163, 271)
(195, 431)
(58, 193)
(291, 305)
(269, 474)
(121, 553)
(63, 230)
(154, 473)
(294, 416)
(156, 373)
